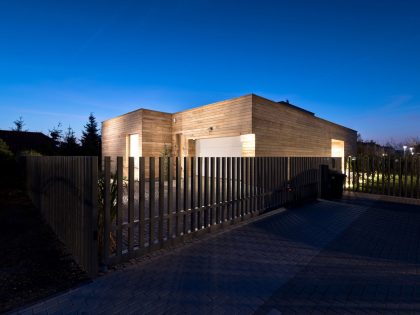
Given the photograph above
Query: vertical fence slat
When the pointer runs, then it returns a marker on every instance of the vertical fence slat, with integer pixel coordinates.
(130, 205)
(411, 168)
(212, 190)
(223, 192)
(170, 198)
(152, 214)
(120, 209)
(193, 217)
(185, 210)
(233, 199)
(229, 189)
(200, 192)
(217, 208)
(178, 196)
(161, 203)
(142, 203)
(206, 192)
(107, 208)
(238, 188)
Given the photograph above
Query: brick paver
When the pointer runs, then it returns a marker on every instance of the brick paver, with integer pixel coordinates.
(326, 257)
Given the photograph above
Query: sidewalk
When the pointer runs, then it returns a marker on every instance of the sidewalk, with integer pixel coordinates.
(325, 257)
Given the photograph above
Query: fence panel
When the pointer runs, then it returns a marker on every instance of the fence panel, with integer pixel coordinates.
(174, 201)
(64, 189)
(387, 175)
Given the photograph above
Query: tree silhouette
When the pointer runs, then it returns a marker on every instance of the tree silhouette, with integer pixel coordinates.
(19, 123)
(91, 139)
(70, 146)
(56, 134)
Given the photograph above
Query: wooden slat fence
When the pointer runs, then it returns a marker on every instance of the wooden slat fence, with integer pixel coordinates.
(64, 189)
(386, 175)
(305, 177)
(184, 197)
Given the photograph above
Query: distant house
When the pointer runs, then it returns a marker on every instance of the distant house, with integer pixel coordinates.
(245, 126)
(19, 141)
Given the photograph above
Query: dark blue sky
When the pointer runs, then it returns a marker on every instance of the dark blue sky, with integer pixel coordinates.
(356, 63)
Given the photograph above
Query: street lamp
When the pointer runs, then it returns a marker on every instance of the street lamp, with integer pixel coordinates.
(412, 150)
(404, 148)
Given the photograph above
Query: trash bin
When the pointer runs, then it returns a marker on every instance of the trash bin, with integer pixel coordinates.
(336, 184)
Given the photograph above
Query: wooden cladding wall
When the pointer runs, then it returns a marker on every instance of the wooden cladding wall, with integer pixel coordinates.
(222, 119)
(279, 129)
(285, 131)
(156, 131)
(64, 189)
(153, 128)
(116, 131)
(206, 194)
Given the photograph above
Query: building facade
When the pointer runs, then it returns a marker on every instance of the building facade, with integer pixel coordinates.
(245, 126)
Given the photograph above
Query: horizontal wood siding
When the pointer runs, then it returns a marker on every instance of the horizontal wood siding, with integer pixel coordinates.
(228, 118)
(115, 133)
(156, 131)
(284, 131)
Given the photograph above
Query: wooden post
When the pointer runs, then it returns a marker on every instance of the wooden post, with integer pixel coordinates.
(107, 209)
(206, 192)
(142, 203)
(178, 196)
(170, 199)
(200, 193)
(161, 200)
(130, 205)
(229, 189)
(152, 214)
(193, 217)
(120, 193)
(185, 210)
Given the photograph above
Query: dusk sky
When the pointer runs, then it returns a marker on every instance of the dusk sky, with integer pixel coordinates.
(356, 63)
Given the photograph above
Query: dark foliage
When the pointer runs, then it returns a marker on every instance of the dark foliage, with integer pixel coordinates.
(91, 139)
(70, 146)
(19, 123)
(56, 135)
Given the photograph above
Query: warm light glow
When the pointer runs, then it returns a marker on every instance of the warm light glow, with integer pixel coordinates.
(135, 152)
(337, 150)
(248, 144)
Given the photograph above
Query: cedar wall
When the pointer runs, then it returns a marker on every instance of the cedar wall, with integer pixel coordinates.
(115, 134)
(153, 128)
(284, 131)
(156, 132)
(228, 118)
(279, 130)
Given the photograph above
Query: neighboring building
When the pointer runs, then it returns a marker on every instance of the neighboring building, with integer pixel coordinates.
(19, 141)
(245, 126)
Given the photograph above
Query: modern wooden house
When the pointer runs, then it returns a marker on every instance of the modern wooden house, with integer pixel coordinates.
(246, 126)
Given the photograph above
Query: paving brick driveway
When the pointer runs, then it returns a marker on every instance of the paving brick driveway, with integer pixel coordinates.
(356, 256)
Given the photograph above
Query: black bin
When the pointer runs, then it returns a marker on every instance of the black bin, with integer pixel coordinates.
(336, 184)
